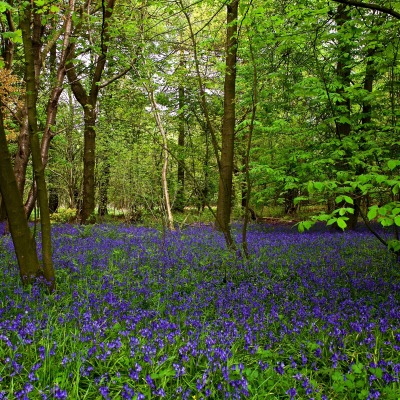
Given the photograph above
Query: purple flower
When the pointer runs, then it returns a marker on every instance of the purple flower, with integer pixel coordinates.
(105, 391)
(59, 393)
(127, 393)
(280, 368)
(292, 392)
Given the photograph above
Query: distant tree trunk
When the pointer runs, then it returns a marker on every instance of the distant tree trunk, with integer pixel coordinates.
(180, 195)
(38, 167)
(104, 180)
(164, 181)
(224, 205)
(24, 244)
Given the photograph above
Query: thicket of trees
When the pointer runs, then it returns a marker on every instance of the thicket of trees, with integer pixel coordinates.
(154, 106)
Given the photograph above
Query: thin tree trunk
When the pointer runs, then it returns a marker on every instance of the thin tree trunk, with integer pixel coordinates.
(180, 195)
(164, 181)
(104, 181)
(224, 204)
(31, 98)
(246, 159)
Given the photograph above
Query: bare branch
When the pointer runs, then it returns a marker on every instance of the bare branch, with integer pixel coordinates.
(370, 6)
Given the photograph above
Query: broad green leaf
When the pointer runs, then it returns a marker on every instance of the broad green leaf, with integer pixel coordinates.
(385, 221)
(372, 213)
(319, 185)
(331, 221)
(339, 199)
(348, 199)
(392, 164)
(397, 220)
(341, 223)
(307, 224)
(4, 6)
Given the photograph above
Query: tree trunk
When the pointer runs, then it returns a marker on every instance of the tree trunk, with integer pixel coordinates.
(23, 153)
(24, 244)
(180, 195)
(224, 205)
(88, 102)
(52, 105)
(89, 157)
(31, 98)
(104, 181)
(164, 181)
(343, 107)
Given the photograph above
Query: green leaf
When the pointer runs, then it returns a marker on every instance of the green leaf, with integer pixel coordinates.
(331, 221)
(392, 164)
(341, 223)
(4, 7)
(300, 227)
(338, 199)
(348, 199)
(372, 213)
(307, 224)
(397, 220)
(319, 185)
(357, 368)
(337, 376)
(54, 9)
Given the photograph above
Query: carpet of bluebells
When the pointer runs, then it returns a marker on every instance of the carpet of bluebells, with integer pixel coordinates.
(139, 314)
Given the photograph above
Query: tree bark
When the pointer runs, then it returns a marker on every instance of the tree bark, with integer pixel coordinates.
(24, 244)
(104, 180)
(88, 101)
(52, 104)
(180, 194)
(343, 107)
(31, 62)
(224, 205)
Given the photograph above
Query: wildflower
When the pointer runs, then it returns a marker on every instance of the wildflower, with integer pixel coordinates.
(292, 392)
(280, 368)
(58, 393)
(104, 391)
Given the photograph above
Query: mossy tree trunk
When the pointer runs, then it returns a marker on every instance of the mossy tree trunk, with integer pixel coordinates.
(24, 244)
(38, 167)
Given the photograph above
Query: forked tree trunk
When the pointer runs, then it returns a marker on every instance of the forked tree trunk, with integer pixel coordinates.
(52, 104)
(224, 205)
(89, 101)
(38, 167)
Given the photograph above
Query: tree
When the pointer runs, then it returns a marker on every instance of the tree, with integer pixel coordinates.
(224, 205)
(38, 167)
(88, 101)
(24, 243)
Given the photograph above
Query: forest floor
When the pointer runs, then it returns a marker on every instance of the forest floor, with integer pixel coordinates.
(145, 314)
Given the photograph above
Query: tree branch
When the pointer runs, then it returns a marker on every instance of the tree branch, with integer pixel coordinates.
(114, 78)
(370, 6)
